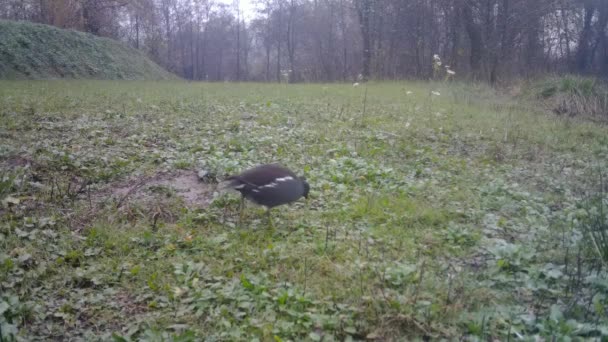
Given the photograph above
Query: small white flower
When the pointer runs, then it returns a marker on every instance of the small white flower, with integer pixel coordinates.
(436, 93)
(407, 124)
(408, 93)
(356, 84)
(178, 291)
(436, 57)
(450, 72)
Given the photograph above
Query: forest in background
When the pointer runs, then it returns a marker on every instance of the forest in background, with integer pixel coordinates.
(342, 40)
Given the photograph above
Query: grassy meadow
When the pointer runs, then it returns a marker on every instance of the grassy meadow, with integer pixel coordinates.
(464, 215)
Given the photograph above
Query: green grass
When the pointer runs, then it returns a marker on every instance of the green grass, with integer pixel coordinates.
(459, 215)
(36, 51)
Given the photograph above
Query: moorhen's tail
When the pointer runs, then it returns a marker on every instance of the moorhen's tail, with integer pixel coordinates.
(237, 183)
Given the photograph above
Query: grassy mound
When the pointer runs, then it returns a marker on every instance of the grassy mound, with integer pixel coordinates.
(573, 96)
(34, 51)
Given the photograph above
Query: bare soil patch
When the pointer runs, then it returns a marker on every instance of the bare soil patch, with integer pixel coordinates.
(14, 161)
(160, 196)
(183, 183)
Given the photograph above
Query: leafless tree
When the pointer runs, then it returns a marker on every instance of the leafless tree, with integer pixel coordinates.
(329, 40)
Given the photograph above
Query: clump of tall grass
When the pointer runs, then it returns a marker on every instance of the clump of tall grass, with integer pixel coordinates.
(595, 223)
(573, 96)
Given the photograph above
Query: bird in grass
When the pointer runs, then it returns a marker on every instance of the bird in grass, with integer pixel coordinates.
(268, 185)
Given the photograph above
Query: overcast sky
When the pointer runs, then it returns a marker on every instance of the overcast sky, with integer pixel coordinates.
(247, 7)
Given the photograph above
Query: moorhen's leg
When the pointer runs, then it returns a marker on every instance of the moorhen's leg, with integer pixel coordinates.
(270, 224)
(241, 209)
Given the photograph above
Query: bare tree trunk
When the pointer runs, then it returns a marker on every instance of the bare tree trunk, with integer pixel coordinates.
(534, 49)
(291, 42)
(582, 55)
(364, 10)
(196, 40)
(331, 43)
(497, 52)
(238, 40)
(167, 17)
(268, 62)
(565, 23)
(344, 44)
(203, 67)
(604, 40)
(245, 61)
(279, 62)
(43, 12)
(137, 31)
(219, 66)
(192, 56)
(278, 33)
(88, 15)
(197, 57)
(203, 75)
(601, 23)
(474, 33)
(605, 57)
(455, 36)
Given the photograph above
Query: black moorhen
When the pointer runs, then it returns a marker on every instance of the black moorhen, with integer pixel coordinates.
(269, 185)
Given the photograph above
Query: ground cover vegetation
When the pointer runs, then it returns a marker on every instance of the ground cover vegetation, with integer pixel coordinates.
(437, 211)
